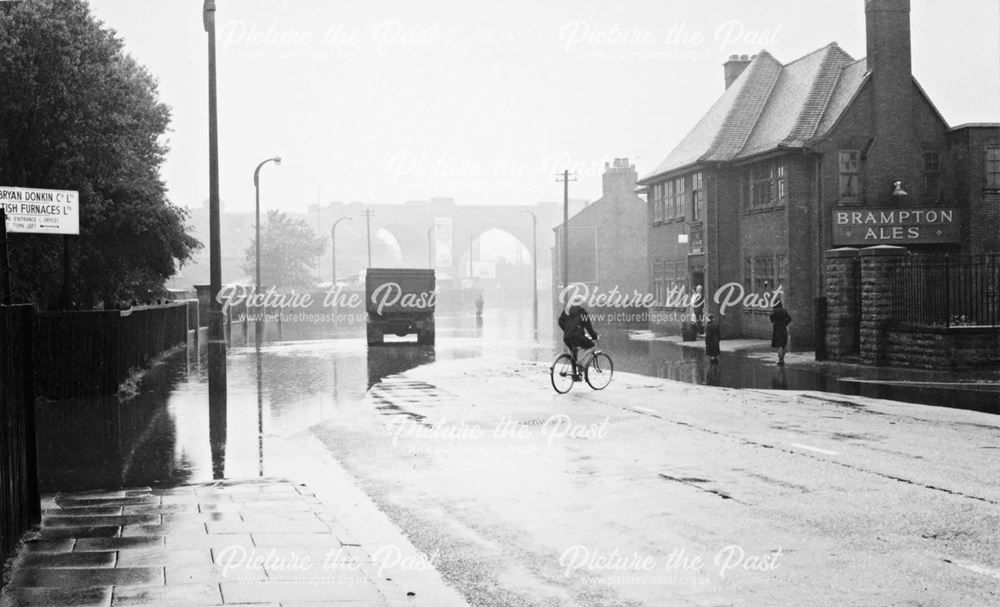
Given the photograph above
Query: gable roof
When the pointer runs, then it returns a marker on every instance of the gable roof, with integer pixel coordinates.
(770, 106)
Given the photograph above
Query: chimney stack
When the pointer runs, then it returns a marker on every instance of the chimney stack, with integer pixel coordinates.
(888, 45)
(619, 178)
(734, 67)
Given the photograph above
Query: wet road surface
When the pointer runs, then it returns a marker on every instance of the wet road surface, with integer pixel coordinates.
(168, 435)
(526, 497)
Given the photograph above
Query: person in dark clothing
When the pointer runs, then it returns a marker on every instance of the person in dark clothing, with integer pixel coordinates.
(578, 333)
(780, 319)
(712, 338)
(698, 306)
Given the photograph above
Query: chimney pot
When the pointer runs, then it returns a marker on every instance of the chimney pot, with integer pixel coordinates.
(732, 69)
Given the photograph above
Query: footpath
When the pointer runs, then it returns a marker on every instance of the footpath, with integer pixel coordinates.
(250, 542)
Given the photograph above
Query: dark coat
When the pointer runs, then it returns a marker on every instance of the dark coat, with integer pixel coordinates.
(712, 337)
(780, 319)
(576, 325)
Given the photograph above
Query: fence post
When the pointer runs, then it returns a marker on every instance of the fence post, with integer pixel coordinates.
(840, 293)
(876, 299)
(947, 292)
(31, 446)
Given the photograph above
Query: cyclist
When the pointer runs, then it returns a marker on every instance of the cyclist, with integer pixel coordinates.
(575, 323)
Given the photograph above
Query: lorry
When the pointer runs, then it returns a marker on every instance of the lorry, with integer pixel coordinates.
(400, 301)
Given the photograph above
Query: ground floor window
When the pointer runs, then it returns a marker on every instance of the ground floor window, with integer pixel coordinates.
(763, 273)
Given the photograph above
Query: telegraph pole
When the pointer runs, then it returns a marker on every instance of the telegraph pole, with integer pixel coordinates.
(565, 178)
(216, 318)
(368, 226)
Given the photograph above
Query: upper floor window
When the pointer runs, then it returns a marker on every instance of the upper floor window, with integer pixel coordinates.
(760, 186)
(763, 185)
(993, 167)
(850, 175)
(779, 180)
(680, 198)
(670, 202)
(697, 197)
(932, 176)
(657, 203)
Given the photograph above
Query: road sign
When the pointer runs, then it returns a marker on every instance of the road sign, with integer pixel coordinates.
(34, 211)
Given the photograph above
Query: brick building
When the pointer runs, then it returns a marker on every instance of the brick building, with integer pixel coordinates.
(826, 151)
(607, 238)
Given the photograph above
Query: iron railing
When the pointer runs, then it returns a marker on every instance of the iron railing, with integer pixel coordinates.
(947, 290)
(19, 503)
(91, 352)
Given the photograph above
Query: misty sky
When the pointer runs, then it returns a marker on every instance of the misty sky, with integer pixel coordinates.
(485, 101)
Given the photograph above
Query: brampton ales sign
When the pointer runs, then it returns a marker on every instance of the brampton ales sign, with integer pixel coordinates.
(874, 226)
(35, 211)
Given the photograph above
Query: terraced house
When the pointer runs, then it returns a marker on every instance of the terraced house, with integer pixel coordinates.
(796, 159)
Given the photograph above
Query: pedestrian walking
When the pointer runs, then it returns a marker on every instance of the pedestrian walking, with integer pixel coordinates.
(698, 309)
(780, 319)
(712, 338)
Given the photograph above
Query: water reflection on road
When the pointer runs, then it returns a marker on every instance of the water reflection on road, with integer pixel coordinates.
(172, 434)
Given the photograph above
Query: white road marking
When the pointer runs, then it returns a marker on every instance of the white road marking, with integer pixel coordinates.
(643, 409)
(816, 449)
(974, 567)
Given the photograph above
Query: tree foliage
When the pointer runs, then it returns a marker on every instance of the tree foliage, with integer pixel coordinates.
(77, 113)
(288, 249)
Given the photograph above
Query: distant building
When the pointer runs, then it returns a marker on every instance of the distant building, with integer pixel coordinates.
(822, 152)
(607, 238)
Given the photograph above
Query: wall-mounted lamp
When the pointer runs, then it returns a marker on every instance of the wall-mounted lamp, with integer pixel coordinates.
(897, 189)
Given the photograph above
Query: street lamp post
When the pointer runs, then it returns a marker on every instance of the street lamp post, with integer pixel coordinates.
(430, 249)
(256, 187)
(333, 250)
(534, 271)
(368, 227)
(216, 333)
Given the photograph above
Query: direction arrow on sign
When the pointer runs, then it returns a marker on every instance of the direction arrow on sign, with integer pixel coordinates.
(35, 211)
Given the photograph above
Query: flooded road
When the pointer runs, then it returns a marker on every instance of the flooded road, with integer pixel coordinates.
(511, 488)
(169, 434)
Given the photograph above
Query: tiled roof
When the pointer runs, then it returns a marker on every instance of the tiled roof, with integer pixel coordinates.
(851, 79)
(771, 106)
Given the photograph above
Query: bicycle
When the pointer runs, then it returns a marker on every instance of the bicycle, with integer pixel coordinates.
(565, 371)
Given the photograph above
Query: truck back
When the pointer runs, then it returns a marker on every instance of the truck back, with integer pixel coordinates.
(400, 301)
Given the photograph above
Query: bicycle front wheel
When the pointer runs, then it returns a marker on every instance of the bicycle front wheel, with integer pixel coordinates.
(562, 373)
(599, 371)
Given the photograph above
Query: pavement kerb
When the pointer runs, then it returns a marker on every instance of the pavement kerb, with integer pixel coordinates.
(370, 527)
(89, 551)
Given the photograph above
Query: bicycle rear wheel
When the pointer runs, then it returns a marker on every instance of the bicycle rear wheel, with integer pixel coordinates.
(599, 371)
(561, 373)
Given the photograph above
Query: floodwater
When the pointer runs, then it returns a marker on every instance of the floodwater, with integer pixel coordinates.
(171, 433)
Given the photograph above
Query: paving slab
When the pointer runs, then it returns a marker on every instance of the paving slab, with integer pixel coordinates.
(57, 597)
(69, 560)
(173, 594)
(258, 542)
(100, 544)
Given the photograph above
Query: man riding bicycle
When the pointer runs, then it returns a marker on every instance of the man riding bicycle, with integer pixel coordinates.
(575, 323)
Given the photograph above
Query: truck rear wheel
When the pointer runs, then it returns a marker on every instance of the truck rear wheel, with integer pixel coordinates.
(426, 335)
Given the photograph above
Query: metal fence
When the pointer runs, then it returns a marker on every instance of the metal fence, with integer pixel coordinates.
(19, 503)
(947, 290)
(92, 352)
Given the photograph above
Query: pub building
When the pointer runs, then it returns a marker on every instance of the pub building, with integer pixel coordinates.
(797, 159)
